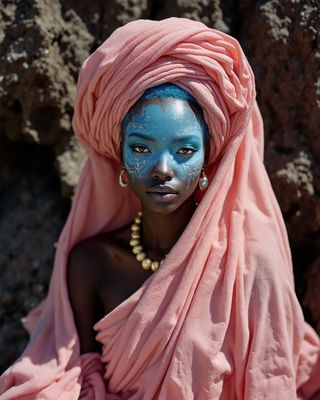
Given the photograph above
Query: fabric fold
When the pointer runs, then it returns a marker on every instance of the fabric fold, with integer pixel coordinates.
(93, 384)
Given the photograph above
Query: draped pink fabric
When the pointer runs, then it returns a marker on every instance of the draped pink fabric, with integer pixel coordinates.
(220, 318)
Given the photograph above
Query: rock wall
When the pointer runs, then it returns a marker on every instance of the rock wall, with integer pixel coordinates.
(282, 41)
(42, 45)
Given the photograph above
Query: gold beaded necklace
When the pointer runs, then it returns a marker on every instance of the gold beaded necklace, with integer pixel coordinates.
(137, 248)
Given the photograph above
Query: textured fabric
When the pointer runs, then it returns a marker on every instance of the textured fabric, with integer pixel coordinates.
(220, 318)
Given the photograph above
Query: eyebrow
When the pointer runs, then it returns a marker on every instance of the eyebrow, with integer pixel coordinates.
(179, 139)
(141, 136)
(184, 138)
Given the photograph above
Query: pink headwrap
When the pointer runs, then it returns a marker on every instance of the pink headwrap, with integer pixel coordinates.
(220, 318)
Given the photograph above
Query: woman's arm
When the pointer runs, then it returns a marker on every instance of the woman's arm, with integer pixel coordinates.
(82, 296)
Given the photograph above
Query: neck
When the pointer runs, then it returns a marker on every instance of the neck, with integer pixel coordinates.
(160, 232)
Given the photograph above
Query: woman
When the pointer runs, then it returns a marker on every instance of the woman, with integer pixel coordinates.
(218, 319)
(163, 149)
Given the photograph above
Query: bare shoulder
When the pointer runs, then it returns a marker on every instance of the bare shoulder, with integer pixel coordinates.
(89, 269)
(91, 256)
(85, 254)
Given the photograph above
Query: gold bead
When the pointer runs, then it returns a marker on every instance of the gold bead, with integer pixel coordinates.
(135, 227)
(137, 249)
(155, 265)
(134, 242)
(141, 256)
(146, 263)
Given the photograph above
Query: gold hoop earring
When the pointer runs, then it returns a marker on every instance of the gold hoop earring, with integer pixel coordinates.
(203, 181)
(121, 182)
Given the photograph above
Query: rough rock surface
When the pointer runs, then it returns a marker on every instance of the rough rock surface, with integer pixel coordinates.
(41, 52)
(42, 45)
(282, 42)
(287, 67)
(69, 162)
(31, 214)
(312, 295)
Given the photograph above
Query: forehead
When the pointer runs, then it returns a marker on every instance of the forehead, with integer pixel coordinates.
(169, 116)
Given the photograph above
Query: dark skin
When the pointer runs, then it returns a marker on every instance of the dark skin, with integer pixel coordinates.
(102, 270)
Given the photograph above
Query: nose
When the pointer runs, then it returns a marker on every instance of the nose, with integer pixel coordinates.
(163, 170)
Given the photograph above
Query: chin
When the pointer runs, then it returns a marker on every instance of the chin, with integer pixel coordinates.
(162, 208)
(166, 208)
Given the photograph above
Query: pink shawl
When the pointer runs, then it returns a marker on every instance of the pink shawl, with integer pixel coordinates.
(220, 318)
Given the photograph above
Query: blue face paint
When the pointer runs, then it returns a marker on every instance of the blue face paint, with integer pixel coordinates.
(166, 90)
(163, 146)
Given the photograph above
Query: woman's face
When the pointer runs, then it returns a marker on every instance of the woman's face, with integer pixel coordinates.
(163, 152)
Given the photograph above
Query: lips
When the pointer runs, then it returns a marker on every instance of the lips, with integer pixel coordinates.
(162, 189)
(162, 193)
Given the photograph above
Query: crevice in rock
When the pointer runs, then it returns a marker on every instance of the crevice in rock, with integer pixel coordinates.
(156, 7)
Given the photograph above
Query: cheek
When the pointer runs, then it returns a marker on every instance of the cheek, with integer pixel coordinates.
(137, 168)
(189, 171)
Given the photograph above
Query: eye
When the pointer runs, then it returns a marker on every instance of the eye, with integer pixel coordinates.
(186, 151)
(140, 149)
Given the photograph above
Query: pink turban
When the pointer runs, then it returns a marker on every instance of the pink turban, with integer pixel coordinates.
(220, 318)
